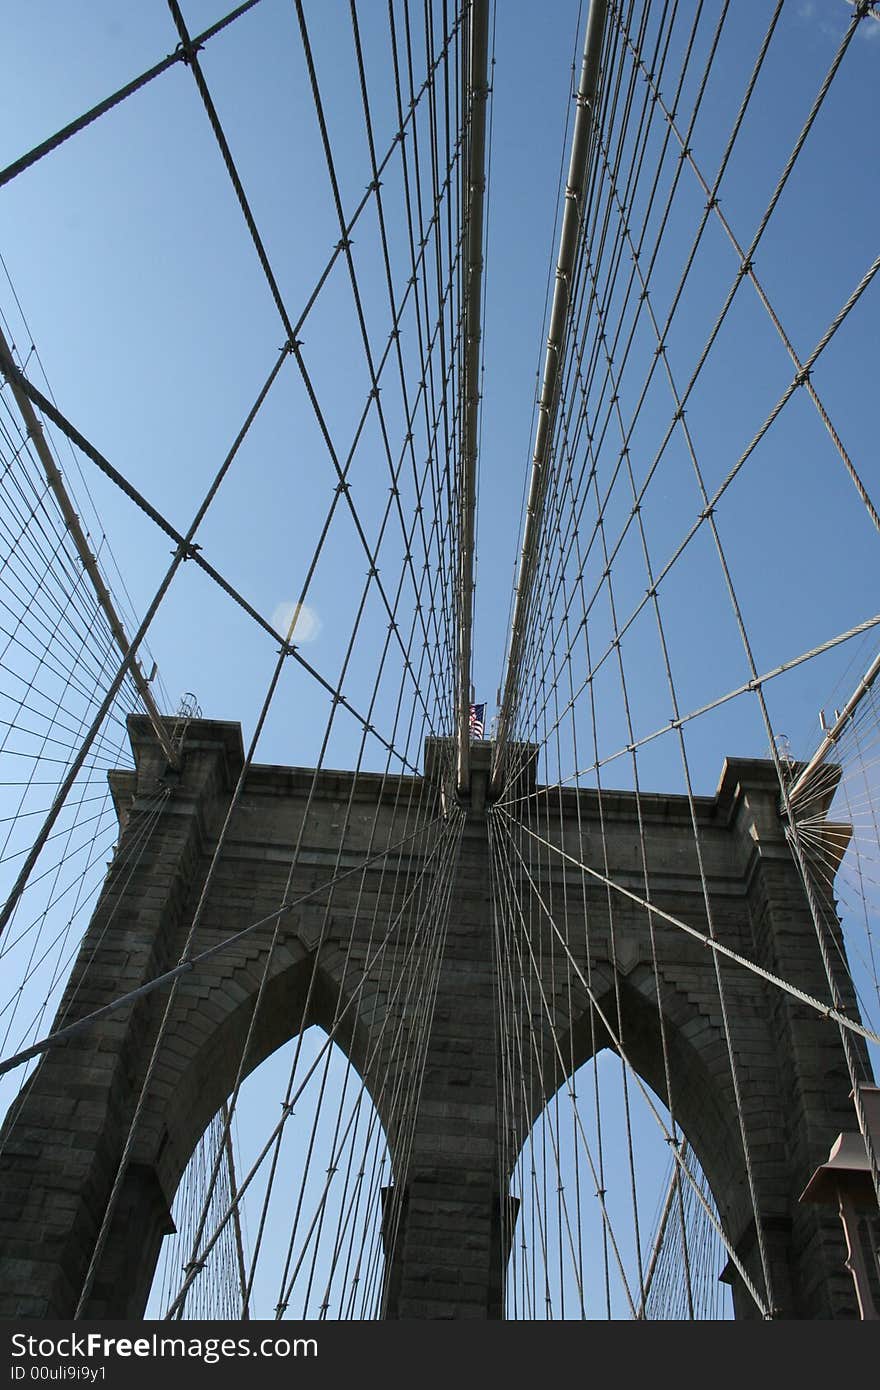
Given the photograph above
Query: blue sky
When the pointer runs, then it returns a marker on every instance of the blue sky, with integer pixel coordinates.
(153, 322)
(146, 301)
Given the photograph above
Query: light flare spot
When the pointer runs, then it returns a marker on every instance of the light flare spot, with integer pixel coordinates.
(297, 621)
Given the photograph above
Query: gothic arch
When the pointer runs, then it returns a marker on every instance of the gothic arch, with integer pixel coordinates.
(65, 1138)
(210, 1031)
(261, 1249)
(702, 1093)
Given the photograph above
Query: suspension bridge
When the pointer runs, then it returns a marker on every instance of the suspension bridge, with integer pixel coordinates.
(317, 1003)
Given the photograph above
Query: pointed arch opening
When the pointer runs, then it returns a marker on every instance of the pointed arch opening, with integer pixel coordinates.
(606, 1222)
(278, 1213)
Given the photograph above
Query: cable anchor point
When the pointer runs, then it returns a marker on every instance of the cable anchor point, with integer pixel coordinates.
(187, 550)
(186, 52)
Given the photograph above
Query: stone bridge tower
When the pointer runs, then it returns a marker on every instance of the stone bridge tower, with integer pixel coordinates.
(64, 1138)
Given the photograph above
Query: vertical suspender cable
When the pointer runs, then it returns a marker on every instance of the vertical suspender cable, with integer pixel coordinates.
(90, 564)
(569, 242)
(475, 93)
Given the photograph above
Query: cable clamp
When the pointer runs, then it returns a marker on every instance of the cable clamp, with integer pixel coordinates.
(344, 243)
(342, 487)
(187, 51)
(803, 376)
(187, 550)
(292, 345)
(287, 1111)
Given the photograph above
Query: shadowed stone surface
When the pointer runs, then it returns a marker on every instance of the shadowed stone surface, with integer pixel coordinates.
(335, 960)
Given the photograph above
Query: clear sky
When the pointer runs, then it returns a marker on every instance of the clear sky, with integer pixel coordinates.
(147, 304)
(143, 294)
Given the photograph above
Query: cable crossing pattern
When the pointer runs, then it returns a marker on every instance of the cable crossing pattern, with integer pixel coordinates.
(406, 1022)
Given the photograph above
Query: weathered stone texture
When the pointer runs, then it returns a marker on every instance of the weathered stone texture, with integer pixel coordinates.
(337, 954)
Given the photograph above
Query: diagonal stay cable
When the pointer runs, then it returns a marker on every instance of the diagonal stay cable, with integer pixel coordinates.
(289, 1106)
(72, 1029)
(715, 946)
(395, 312)
(187, 549)
(819, 920)
(294, 862)
(715, 498)
(621, 1052)
(189, 46)
(184, 547)
(801, 377)
(290, 330)
(745, 688)
(374, 379)
(714, 205)
(180, 55)
(514, 899)
(192, 62)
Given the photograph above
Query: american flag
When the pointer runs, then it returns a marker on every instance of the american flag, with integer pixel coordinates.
(477, 716)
